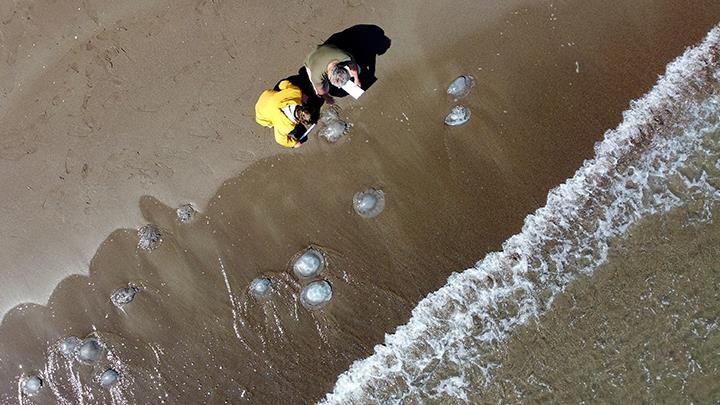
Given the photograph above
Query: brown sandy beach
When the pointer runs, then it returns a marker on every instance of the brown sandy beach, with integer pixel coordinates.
(157, 100)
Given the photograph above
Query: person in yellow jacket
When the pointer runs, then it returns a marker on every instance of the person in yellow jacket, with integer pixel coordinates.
(282, 110)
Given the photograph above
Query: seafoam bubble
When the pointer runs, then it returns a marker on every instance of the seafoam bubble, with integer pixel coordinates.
(309, 264)
(260, 287)
(458, 116)
(461, 86)
(316, 294)
(369, 203)
(124, 295)
(31, 385)
(149, 237)
(185, 213)
(68, 346)
(109, 378)
(90, 351)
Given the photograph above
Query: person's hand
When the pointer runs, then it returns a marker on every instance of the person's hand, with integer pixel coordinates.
(356, 76)
(297, 145)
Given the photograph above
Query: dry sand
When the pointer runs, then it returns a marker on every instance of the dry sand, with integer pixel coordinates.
(158, 101)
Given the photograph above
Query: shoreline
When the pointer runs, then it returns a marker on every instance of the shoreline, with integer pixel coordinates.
(453, 194)
(638, 327)
(84, 202)
(122, 114)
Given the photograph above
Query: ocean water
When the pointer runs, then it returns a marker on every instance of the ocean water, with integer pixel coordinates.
(663, 157)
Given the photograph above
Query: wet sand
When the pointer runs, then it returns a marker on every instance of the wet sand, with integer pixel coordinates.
(642, 329)
(550, 79)
(148, 100)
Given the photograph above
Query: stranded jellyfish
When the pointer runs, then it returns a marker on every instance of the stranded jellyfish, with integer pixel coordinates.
(310, 263)
(369, 203)
(458, 116)
(109, 378)
(31, 385)
(185, 213)
(90, 351)
(461, 86)
(149, 237)
(316, 294)
(123, 296)
(333, 127)
(334, 130)
(260, 287)
(68, 346)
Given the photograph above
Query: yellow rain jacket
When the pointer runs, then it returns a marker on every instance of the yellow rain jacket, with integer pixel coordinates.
(268, 111)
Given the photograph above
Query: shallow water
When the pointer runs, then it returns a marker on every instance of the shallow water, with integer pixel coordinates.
(663, 157)
(642, 329)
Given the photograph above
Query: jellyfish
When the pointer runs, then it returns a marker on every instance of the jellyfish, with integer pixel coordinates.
(316, 294)
(369, 203)
(334, 130)
(90, 351)
(149, 237)
(109, 378)
(68, 346)
(333, 127)
(31, 385)
(458, 116)
(460, 87)
(309, 264)
(260, 287)
(185, 213)
(123, 296)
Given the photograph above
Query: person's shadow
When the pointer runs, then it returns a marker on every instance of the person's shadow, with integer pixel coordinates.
(364, 42)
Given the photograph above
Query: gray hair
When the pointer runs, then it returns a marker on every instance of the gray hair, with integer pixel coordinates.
(339, 76)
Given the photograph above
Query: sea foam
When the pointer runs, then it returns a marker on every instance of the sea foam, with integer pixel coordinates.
(662, 156)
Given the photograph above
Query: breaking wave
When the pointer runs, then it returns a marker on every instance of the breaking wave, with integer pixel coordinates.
(665, 154)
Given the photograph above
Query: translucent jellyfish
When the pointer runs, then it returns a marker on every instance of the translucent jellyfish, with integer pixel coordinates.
(333, 128)
(260, 287)
(369, 203)
(458, 116)
(109, 378)
(316, 294)
(185, 213)
(68, 346)
(90, 351)
(309, 264)
(149, 237)
(123, 296)
(31, 385)
(461, 86)
(330, 114)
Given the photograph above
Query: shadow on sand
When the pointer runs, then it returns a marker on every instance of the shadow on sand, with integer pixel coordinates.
(364, 42)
